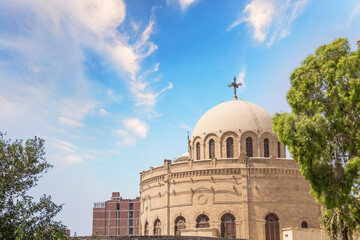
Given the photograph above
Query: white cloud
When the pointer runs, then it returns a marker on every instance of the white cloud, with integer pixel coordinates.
(184, 4)
(354, 13)
(113, 151)
(88, 156)
(70, 122)
(103, 112)
(44, 82)
(121, 132)
(61, 145)
(260, 14)
(136, 126)
(272, 17)
(144, 98)
(77, 108)
(156, 68)
(71, 159)
(51, 42)
(184, 126)
(114, 97)
(127, 142)
(241, 77)
(64, 153)
(143, 47)
(135, 26)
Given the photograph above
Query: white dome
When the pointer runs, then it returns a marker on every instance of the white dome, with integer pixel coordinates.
(234, 115)
(183, 157)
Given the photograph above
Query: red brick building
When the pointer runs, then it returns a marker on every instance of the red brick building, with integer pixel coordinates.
(116, 217)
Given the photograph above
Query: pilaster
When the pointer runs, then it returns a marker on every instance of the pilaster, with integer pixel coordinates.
(167, 163)
(245, 232)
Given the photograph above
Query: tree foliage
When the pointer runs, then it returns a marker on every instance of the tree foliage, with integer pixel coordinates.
(322, 132)
(21, 166)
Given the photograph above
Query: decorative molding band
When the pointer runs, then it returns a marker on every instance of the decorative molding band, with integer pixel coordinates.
(219, 171)
(156, 179)
(206, 172)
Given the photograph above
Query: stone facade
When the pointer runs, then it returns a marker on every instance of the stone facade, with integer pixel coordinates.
(230, 194)
(148, 238)
(116, 217)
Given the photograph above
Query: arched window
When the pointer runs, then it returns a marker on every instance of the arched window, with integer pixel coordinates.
(228, 229)
(249, 147)
(279, 150)
(304, 224)
(202, 221)
(157, 227)
(272, 230)
(211, 148)
(266, 148)
(197, 151)
(146, 231)
(229, 147)
(180, 223)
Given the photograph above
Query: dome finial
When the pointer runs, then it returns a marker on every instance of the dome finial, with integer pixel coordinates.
(235, 86)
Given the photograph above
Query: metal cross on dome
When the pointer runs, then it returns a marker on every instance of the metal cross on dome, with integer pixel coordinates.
(235, 86)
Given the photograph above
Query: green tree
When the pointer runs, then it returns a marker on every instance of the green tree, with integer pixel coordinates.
(21, 166)
(322, 132)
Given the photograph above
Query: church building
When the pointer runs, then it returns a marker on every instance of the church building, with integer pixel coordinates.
(235, 181)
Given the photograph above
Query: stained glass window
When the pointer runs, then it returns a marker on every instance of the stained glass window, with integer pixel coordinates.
(202, 221)
(266, 148)
(157, 227)
(211, 148)
(228, 228)
(230, 147)
(198, 151)
(249, 147)
(180, 223)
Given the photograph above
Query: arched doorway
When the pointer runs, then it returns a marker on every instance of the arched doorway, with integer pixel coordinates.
(202, 221)
(272, 230)
(157, 227)
(228, 228)
(180, 223)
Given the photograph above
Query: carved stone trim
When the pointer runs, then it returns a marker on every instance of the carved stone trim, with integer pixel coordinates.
(221, 171)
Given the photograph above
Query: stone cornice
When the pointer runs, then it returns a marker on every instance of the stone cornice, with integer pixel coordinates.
(237, 173)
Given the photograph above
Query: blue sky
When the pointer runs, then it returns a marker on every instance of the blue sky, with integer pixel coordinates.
(113, 86)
